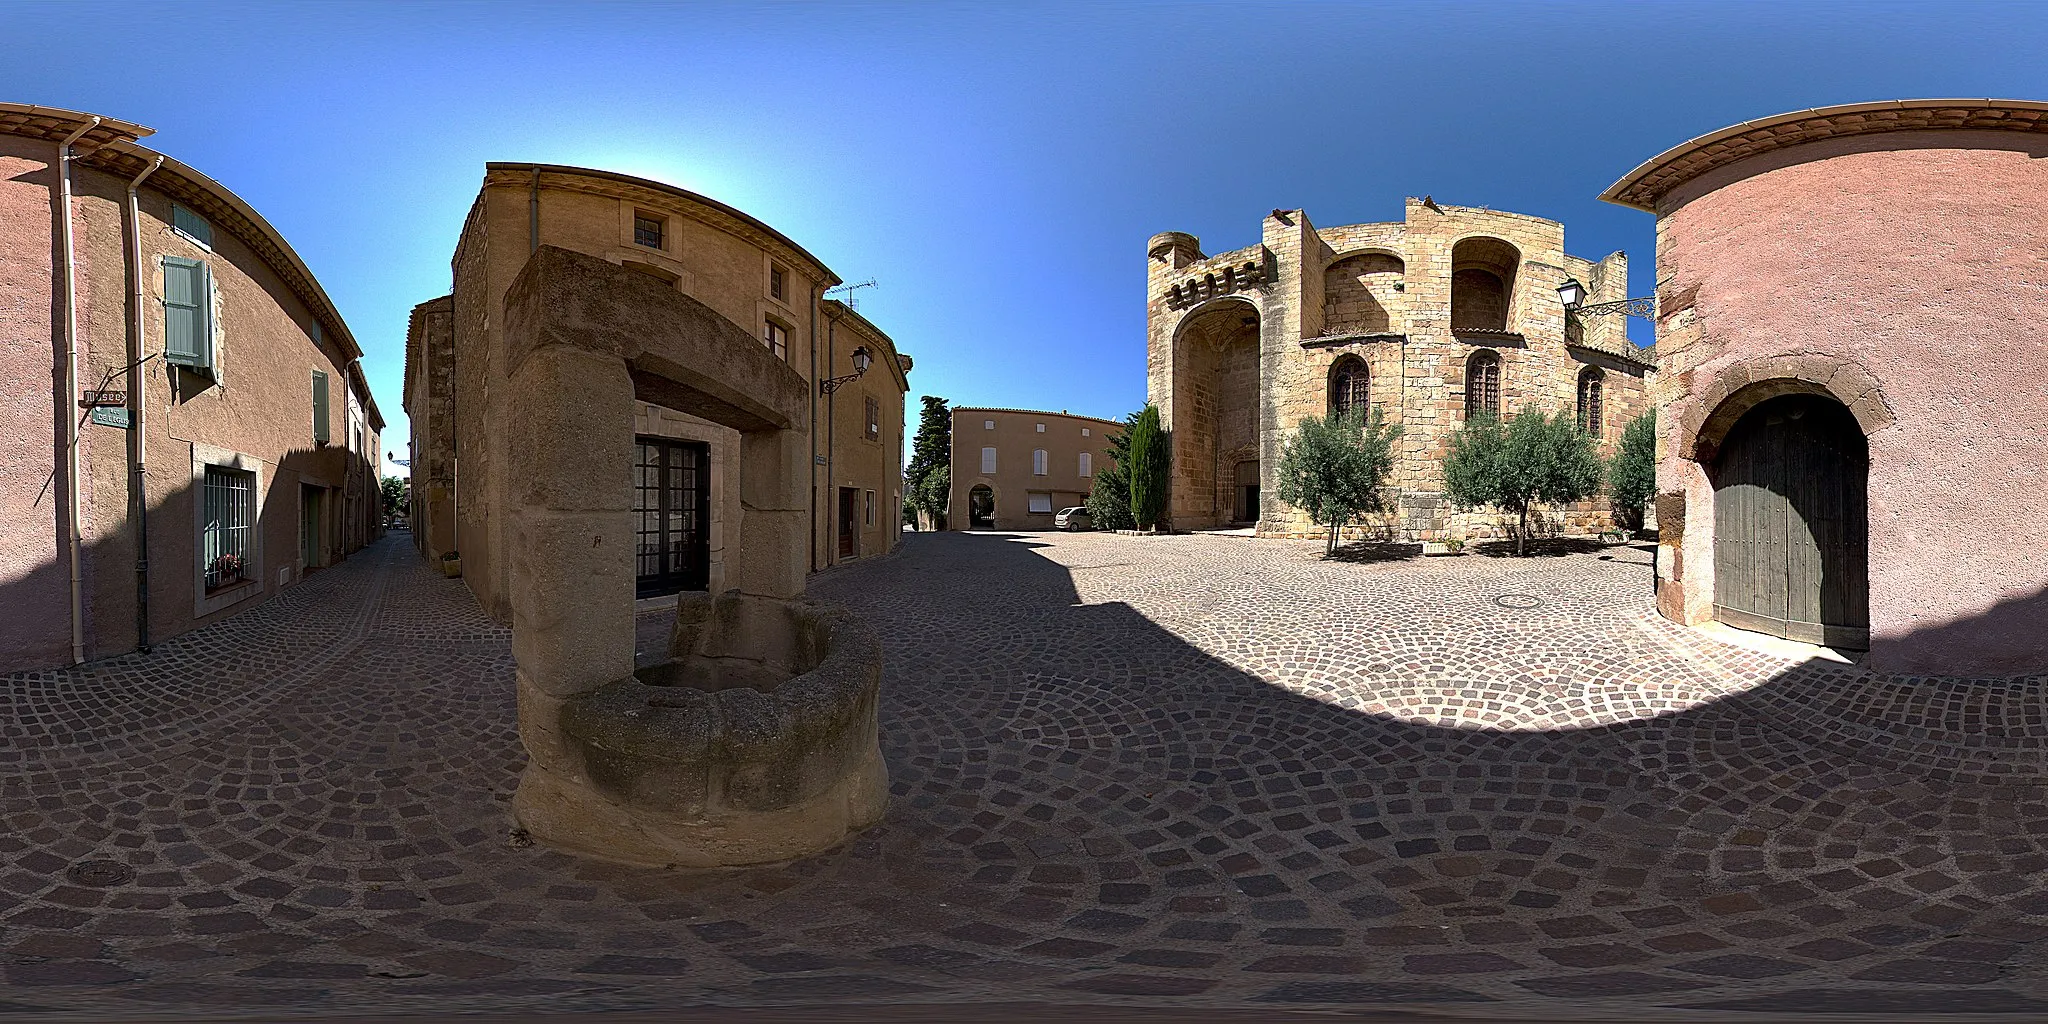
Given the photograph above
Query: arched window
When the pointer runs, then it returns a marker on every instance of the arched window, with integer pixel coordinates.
(1592, 381)
(1482, 384)
(1349, 389)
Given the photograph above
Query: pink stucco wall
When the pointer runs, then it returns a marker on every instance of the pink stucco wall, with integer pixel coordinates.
(260, 407)
(1922, 258)
(31, 581)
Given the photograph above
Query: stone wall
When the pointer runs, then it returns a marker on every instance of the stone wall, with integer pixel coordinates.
(1381, 293)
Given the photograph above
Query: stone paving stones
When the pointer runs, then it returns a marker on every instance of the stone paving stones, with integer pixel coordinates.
(1181, 771)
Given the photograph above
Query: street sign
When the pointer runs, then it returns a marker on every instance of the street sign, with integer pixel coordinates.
(103, 399)
(110, 417)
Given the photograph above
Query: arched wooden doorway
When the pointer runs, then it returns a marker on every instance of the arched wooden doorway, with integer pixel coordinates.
(981, 507)
(1791, 523)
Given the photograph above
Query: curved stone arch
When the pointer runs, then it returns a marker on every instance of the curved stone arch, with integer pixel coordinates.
(1737, 389)
(1211, 305)
(1368, 250)
(1496, 257)
(995, 500)
(1358, 297)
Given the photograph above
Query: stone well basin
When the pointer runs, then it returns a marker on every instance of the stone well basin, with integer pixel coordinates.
(755, 743)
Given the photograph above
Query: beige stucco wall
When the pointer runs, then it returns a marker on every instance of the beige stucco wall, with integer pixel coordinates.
(1380, 293)
(717, 256)
(1015, 435)
(256, 413)
(868, 463)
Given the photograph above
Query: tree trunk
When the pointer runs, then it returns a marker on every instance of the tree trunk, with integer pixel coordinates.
(1522, 535)
(1330, 545)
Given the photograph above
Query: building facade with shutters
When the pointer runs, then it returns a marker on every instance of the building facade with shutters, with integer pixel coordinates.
(1014, 469)
(1853, 334)
(686, 471)
(1449, 313)
(234, 446)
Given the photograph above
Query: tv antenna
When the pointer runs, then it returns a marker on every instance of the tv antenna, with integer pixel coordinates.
(851, 301)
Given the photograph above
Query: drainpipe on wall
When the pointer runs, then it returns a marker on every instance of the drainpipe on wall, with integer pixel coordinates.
(831, 466)
(138, 483)
(814, 426)
(69, 373)
(533, 214)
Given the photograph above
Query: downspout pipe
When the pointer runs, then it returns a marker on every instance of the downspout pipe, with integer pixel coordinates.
(815, 310)
(138, 449)
(67, 266)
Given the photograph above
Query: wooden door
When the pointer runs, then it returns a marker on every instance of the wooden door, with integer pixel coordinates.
(849, 523)
(1791, 527)
(672, 513)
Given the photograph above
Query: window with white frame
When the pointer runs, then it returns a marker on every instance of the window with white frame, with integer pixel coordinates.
(1041, 502)
(776, 337)
(1084, 431)
(1038, 462)
(1087, 464)
(988, 460)
(230, 510)
(988, 424)
(1041, 428)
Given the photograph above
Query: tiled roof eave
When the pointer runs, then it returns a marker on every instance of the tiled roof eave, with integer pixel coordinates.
(1642, 187)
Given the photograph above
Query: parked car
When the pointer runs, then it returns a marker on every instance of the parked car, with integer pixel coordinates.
(1075, 518)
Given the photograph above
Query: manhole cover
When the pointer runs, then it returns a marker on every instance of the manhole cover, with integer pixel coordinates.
(1521, 602)
(101, 873)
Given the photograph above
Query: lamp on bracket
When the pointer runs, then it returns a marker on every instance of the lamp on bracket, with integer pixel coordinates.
(1573, 295)
(862, 359)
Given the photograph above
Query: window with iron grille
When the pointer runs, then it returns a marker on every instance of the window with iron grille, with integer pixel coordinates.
(776, 337)
(1482, 385)
(230, 526)
(874, 409)
(647, 231)
(1349, 386)
(775, 282)
(1592, 381)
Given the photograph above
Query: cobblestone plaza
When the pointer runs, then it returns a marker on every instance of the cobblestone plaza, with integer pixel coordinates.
(1182, 771)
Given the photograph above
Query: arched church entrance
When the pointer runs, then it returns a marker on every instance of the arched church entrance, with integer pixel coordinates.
(1216, 417)
(1791, 523)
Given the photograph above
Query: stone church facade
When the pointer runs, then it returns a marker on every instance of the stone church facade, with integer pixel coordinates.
(1428, 320)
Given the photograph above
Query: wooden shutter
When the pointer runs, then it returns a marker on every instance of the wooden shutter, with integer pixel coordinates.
(320, 406)
(188, 313)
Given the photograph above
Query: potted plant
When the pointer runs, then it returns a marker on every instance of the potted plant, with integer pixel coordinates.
(451, 564)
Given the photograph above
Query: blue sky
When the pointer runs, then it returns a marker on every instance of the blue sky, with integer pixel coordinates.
(997, 167)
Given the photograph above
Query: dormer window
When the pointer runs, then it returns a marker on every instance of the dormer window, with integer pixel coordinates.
(648, 231)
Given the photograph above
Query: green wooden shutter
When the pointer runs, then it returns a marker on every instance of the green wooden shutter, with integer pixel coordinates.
(188, 313)
(320, 406)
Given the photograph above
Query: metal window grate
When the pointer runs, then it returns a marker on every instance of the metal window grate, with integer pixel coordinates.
(230, 496)
(1482, 386)
(1591, 383)
(1350, 387)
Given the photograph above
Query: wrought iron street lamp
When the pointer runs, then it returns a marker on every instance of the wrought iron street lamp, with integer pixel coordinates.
(861, 361)
(1573, 294)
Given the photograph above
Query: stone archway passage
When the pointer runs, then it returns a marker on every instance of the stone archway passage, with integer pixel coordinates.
(1791, 523)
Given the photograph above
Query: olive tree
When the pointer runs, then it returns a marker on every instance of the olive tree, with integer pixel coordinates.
(1632, 476)
(1334, 468)
(1531, 458)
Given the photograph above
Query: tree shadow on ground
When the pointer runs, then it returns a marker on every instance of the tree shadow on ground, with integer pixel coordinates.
(1375, 551)
(1541, 547)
